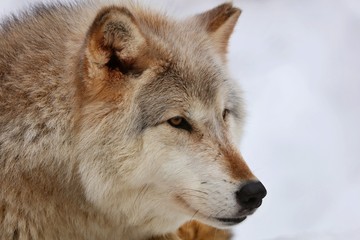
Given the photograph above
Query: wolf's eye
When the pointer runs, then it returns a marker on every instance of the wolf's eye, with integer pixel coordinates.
(225, 113)
(180, 122)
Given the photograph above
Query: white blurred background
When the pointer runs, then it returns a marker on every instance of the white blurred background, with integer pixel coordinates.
(298, 62)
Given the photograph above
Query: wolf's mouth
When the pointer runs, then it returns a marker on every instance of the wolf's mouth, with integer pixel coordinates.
(223, 221)
(231, 221)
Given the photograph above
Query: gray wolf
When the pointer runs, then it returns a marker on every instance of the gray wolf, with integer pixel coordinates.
(118, 122)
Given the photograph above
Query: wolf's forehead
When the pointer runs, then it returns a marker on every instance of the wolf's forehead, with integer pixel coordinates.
(186, 83)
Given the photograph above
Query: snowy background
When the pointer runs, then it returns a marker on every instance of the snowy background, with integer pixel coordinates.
(298, 62)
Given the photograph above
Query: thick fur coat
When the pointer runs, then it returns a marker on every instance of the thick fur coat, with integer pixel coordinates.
(117, 122)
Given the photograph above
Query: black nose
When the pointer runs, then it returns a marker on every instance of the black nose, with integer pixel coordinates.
(250, 195)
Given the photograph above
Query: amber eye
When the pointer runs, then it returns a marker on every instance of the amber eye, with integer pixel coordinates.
(225, 113)
(180, 122)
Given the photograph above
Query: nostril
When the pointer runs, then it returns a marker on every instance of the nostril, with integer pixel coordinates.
(253, 201)
(251, 195)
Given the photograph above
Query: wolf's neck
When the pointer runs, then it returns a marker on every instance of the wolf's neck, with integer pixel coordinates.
(42, 206)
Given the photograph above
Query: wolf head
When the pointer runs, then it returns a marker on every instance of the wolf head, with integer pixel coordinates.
(159, 119)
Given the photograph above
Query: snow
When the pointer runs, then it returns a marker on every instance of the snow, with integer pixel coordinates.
(301, 77)
(299, 65)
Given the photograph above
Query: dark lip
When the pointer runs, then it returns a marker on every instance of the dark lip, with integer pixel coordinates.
(224, 221)
(231, 221)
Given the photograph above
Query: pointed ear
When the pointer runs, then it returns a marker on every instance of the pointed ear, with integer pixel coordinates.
(115, 49)
(220, 22)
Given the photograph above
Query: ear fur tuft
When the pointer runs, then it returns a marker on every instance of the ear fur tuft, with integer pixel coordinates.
(220, 22)
(114, 40)
(115, 50)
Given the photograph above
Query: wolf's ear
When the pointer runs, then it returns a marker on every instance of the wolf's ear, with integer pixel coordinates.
(220, 22)
(114, 47)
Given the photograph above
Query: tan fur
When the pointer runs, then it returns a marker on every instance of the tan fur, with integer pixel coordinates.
(214, 21)
(86, 151)
(196, 231)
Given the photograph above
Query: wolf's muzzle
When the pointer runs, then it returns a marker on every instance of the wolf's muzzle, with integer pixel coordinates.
(250, 195)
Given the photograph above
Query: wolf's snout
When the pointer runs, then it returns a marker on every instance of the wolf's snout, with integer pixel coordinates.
(250, 196)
